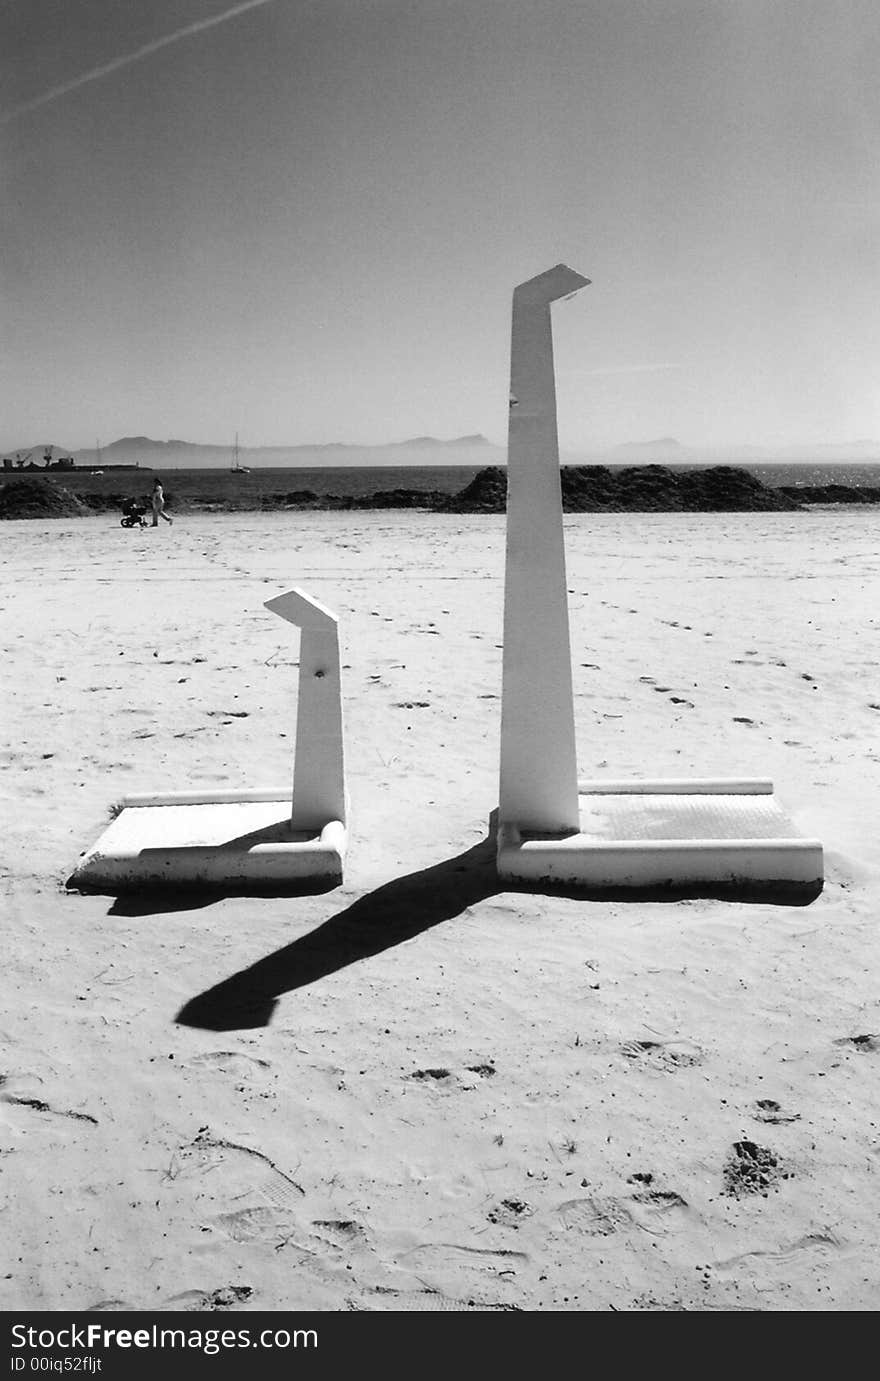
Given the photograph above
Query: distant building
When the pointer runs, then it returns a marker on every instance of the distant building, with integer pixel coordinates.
(20, 462)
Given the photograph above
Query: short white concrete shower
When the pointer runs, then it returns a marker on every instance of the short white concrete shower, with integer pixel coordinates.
(253, 837)
(553, 828)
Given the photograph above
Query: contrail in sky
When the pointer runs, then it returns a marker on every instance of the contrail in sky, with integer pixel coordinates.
(127, 58)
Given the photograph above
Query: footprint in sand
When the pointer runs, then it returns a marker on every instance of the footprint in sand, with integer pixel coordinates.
(659, 1210)
(204, 1301)
(231, 1172)
(227, 1062)
(676, 1054)
(272, 1226)
(451, 1270)
(436, 1076)
(38, 1105)
(439, 1077)
(768, 1110)
(823, 1242)
(867, 1044)
(340, 1232)
(594, 1216)
(431, 1301)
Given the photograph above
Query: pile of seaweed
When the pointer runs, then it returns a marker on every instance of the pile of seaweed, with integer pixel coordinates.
(486, 493)
(32, 496)
(433, 499)
(636, 489)
(585, 489)
(598, 489)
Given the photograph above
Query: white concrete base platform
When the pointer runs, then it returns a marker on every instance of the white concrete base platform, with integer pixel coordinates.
(228, 839)
(669, 833)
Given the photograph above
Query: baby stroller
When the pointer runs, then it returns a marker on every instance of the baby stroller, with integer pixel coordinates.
(133, 513)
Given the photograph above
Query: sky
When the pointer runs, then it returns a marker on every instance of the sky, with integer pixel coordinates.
(303, 220)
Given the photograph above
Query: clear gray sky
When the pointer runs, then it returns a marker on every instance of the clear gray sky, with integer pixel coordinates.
(304, 221)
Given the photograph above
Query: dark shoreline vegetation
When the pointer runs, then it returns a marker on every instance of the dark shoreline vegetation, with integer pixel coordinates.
(585, 489)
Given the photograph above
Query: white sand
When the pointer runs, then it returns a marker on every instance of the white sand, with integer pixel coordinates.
(296, 1159)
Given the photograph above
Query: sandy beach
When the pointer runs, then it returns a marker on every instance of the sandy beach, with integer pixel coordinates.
(419, 1091)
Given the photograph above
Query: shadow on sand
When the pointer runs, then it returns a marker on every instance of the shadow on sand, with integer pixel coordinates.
(160, 900)
(404, 908)
(387, 917)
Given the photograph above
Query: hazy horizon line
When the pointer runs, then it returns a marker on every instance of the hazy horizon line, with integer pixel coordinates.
(667, 444)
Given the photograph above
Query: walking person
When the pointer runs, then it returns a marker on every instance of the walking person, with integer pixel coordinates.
(158, 502)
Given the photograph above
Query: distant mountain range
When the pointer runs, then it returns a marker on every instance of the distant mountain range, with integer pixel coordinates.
(667, 450)
(174, 454)
(473, 450)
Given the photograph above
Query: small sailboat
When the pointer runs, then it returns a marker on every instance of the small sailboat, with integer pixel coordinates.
(237, 467)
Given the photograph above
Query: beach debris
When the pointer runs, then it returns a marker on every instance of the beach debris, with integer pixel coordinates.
(35, 497)
(750, 1169)
(508, 1212)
